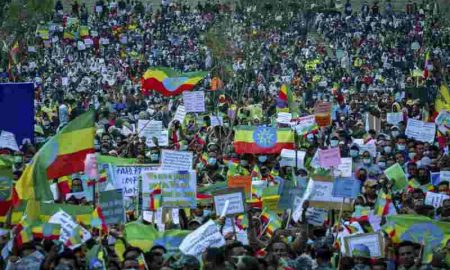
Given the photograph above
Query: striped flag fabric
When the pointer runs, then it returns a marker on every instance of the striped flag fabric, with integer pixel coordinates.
(62, 155)
(169, 82)
(262, 140)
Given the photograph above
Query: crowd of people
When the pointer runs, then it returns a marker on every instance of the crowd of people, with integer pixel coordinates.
(369, 65)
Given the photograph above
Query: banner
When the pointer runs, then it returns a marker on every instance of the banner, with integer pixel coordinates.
(126, 177)
(176, 160)
(194, 101)
(17, 110)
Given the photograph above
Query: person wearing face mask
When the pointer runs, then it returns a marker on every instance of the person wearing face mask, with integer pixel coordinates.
(367, 164)
(395, 131)
(400, 146)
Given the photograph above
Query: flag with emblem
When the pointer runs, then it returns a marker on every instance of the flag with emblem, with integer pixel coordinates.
(262, 140)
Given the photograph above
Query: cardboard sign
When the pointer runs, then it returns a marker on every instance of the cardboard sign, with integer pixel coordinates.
(68, 228)
(8, 140)
(344, 169)
(316, 216)
(176, 160)
(396, 174)
(235, 198)
(329, 157)
(126, 177)
(435, 199)
(113, 210)
(288, 158)
(420, 131)
(374, 241)
(394, 118)
(178, 188)
(207, 235)
(322, 195)
(346, 188)
(240, 181)
(150, 129)
(194, 101)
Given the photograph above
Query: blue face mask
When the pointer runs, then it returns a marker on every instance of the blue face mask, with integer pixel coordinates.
(262, 158)
(206, 212)
(212, 161)
(354, 153)
(401, 147)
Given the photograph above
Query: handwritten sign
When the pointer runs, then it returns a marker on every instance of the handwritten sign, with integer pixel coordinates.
(322, 195)
(207, 235)
(288, 190)
(150, 129)
(194, 101)
(8, 140)
(216, 120)
(284, 118)
(316, 216)
(346, 188)
(435, 199)
(373, 241)
(421, 131)
(329, 157)
(235, 198)
(180, 114)
(126, 177)
(396, 174)
(178, 188)
(344, 169)
(113, 210)
(322, 112)
(240, 181)
(176, 160)
(288, 158)
(394, 117)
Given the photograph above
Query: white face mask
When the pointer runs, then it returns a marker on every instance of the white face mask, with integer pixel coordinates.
(334, 143)
(382, 164)
(387, 149)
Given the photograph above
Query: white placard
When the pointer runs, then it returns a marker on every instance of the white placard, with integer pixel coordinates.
(316, 216)
(8, 140)
(126, 177)
(322, 192)
(235, 205)
(207, 235)
(444, 176)
(176, 160)
(344, 169)
(81, 46)
(150, 129)
(435, 199)
(394, 118)
(65, 81)
(68, 227)
(288, 158)
(148, 216)
(216, 120)
(304, 124)
(284, 118)
(194, 101)
(180, 114)
(421, 131)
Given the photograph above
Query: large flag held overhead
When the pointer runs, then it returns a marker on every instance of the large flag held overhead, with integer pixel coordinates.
(62, 155)
(442, 101)
(169, 82)
(262, 140)
(418, 229)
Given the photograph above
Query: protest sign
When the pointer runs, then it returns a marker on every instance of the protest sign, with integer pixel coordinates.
(288, 158)
(216, 120)
(240, 181)
(444, 176)
(207, 235)
(346, 188)
(288, 190)
(421, 131)
(322, 113)
(176, 160)
(394, 117)
(271, 202)
(321, 195)
(113, 210)
(8, 140)
(374, 241)
(316, 216)
(304, 124)
(329, 157)
(68, 228)
(284, 118)
(194, 101)
(443, 121)
(150, 129)
(235, 198)
(344, 169)
(396, 174)
(178, 188)
(126, 177)
(435, 199)
(180, 114)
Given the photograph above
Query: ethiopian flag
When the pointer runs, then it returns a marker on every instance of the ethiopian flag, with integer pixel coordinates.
(62, 155)
(169, 82)
(442, 101)
(422, 230)
(262, 140)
